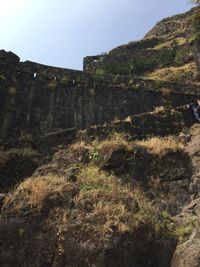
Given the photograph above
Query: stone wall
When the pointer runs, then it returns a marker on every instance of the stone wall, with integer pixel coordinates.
(130, 59)
(38, 98)
(136, 59)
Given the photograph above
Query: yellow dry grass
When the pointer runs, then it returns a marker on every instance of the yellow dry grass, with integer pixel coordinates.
(35, 190)
(111, 203)
(79, 146)
(160, 146)
(168, 44)
(185, 73)
(114, 140)
(103, 206)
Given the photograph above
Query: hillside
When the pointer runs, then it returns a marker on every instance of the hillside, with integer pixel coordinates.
(101, 167)
(163, 54)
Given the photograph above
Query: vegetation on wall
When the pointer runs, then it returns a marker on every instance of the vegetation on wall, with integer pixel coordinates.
(139, 64)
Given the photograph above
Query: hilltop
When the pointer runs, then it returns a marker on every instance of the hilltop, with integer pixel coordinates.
(164, 53)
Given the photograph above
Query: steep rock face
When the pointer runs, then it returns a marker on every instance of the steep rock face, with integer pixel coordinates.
(187, 253)
(15, 166)
(172, 27)
(38, 245)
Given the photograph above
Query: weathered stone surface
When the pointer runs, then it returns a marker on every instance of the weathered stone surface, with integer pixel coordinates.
(32, 243)
(187, 253)
(40, 99)
(159, 123)
(15, 166)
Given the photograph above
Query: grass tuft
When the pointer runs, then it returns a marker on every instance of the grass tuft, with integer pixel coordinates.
(160, 146)
(185, 73)
(32, 192)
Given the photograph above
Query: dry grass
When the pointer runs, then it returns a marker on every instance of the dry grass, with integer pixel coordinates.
(111, 205)
(161, 146)
(168, 44)
(102, 147)
(186, 73)
(78, 152)
(33, 192)
(79, 146)
(195, 129)
(114, 140)
(94, 178)
(102, 205)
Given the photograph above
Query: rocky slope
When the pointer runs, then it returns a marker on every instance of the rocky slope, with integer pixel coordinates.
(114, 202)
(164, 53)
(187, 252)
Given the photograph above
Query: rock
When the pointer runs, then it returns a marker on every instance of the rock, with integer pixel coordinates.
(19, 165)
(187, 254)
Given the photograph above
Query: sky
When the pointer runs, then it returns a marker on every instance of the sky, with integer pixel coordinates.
(61, 32)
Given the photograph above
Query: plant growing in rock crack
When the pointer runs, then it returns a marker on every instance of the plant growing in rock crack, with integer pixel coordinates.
(94, 156)
(185, 230)
(165, 225)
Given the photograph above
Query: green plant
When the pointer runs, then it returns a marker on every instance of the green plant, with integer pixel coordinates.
(94, 156)
(183, 231)
(182, 55)
(99, 75)
(164, 225)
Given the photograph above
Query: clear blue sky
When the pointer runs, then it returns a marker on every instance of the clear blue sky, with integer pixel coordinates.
(62, 32)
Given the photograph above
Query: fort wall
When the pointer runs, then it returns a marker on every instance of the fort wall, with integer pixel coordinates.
(37, 98)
